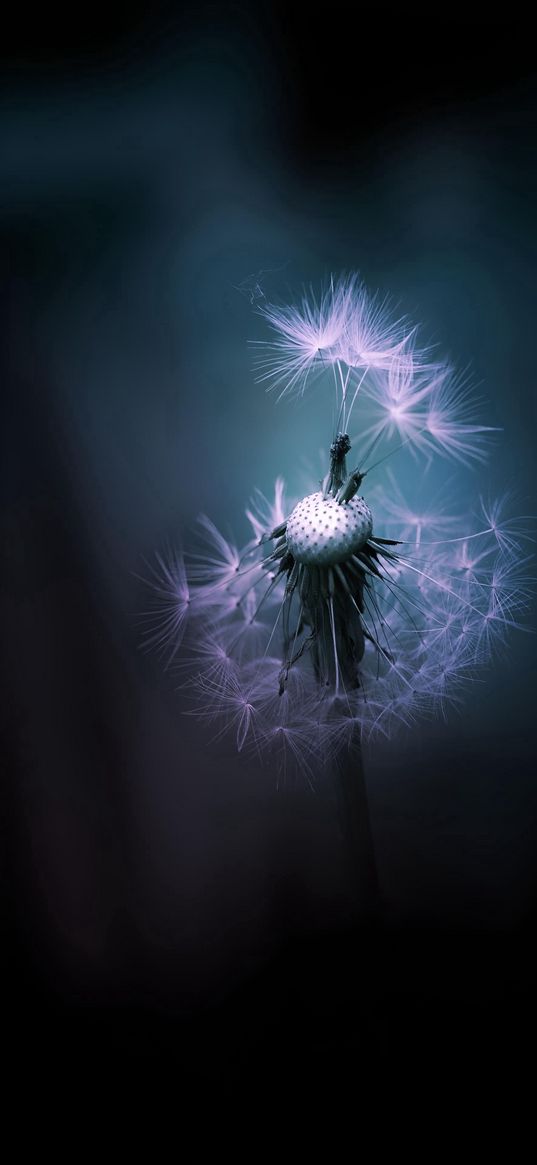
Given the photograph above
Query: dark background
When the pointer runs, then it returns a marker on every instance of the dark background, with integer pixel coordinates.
(174, 925)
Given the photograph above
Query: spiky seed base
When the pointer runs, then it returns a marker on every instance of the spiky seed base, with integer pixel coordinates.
(322, 531)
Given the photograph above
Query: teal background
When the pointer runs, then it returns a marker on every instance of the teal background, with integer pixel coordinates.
(156, 882)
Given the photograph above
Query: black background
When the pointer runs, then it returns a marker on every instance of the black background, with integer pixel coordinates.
(122, 975)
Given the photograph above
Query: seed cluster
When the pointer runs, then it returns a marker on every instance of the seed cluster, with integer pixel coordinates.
(322, 531)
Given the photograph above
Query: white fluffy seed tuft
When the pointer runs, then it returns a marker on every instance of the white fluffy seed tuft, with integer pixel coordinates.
(322, 531)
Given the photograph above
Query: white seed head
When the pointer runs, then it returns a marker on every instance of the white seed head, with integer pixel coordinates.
(322, 531)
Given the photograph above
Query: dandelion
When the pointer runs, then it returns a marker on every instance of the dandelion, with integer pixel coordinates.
(351, 611)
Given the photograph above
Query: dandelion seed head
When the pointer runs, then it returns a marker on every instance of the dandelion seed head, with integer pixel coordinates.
(327, 625)
(321, 532)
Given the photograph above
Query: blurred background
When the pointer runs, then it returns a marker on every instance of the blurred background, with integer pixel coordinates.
(172, 918)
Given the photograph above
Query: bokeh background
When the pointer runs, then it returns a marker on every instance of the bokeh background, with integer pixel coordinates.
(171, 916)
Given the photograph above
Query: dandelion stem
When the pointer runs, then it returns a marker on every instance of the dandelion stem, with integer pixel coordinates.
(355, 825)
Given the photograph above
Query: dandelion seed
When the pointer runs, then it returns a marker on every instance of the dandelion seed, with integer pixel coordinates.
(165, 623)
